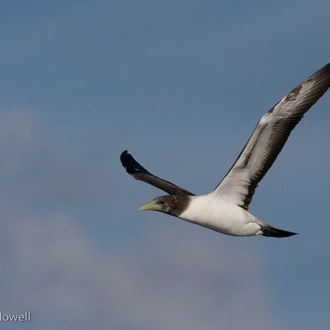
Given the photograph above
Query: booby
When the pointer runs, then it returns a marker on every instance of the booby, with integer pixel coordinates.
(226, 208)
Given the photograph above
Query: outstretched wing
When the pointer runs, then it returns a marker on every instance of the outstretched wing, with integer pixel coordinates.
(268, 139)
(140, 173)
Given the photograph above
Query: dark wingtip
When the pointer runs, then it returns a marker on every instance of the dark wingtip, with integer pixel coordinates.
(123, 157)
(126, 159)
(130, 164)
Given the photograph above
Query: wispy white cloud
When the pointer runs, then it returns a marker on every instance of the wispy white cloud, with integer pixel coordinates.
(53, 270)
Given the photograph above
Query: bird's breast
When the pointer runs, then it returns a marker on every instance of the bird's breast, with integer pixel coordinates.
(218, 215)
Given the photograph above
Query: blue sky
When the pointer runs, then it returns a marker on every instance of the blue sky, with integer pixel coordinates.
(181, 85)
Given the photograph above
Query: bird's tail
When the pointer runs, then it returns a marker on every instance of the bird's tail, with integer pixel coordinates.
(270, 231)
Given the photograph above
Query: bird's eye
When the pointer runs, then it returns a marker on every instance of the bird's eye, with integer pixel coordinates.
(161, 202)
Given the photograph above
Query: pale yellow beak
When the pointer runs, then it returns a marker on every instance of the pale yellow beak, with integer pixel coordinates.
(151, 206)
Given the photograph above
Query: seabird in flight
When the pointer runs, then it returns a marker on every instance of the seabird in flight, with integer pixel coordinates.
(225, 209)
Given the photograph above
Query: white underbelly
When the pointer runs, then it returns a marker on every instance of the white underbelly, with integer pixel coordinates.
(221, 216)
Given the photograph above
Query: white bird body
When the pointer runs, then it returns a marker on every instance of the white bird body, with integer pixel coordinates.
(217, 214)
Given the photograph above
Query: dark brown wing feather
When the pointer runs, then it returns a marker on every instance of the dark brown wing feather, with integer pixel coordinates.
(140, 173)
(269, 137)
